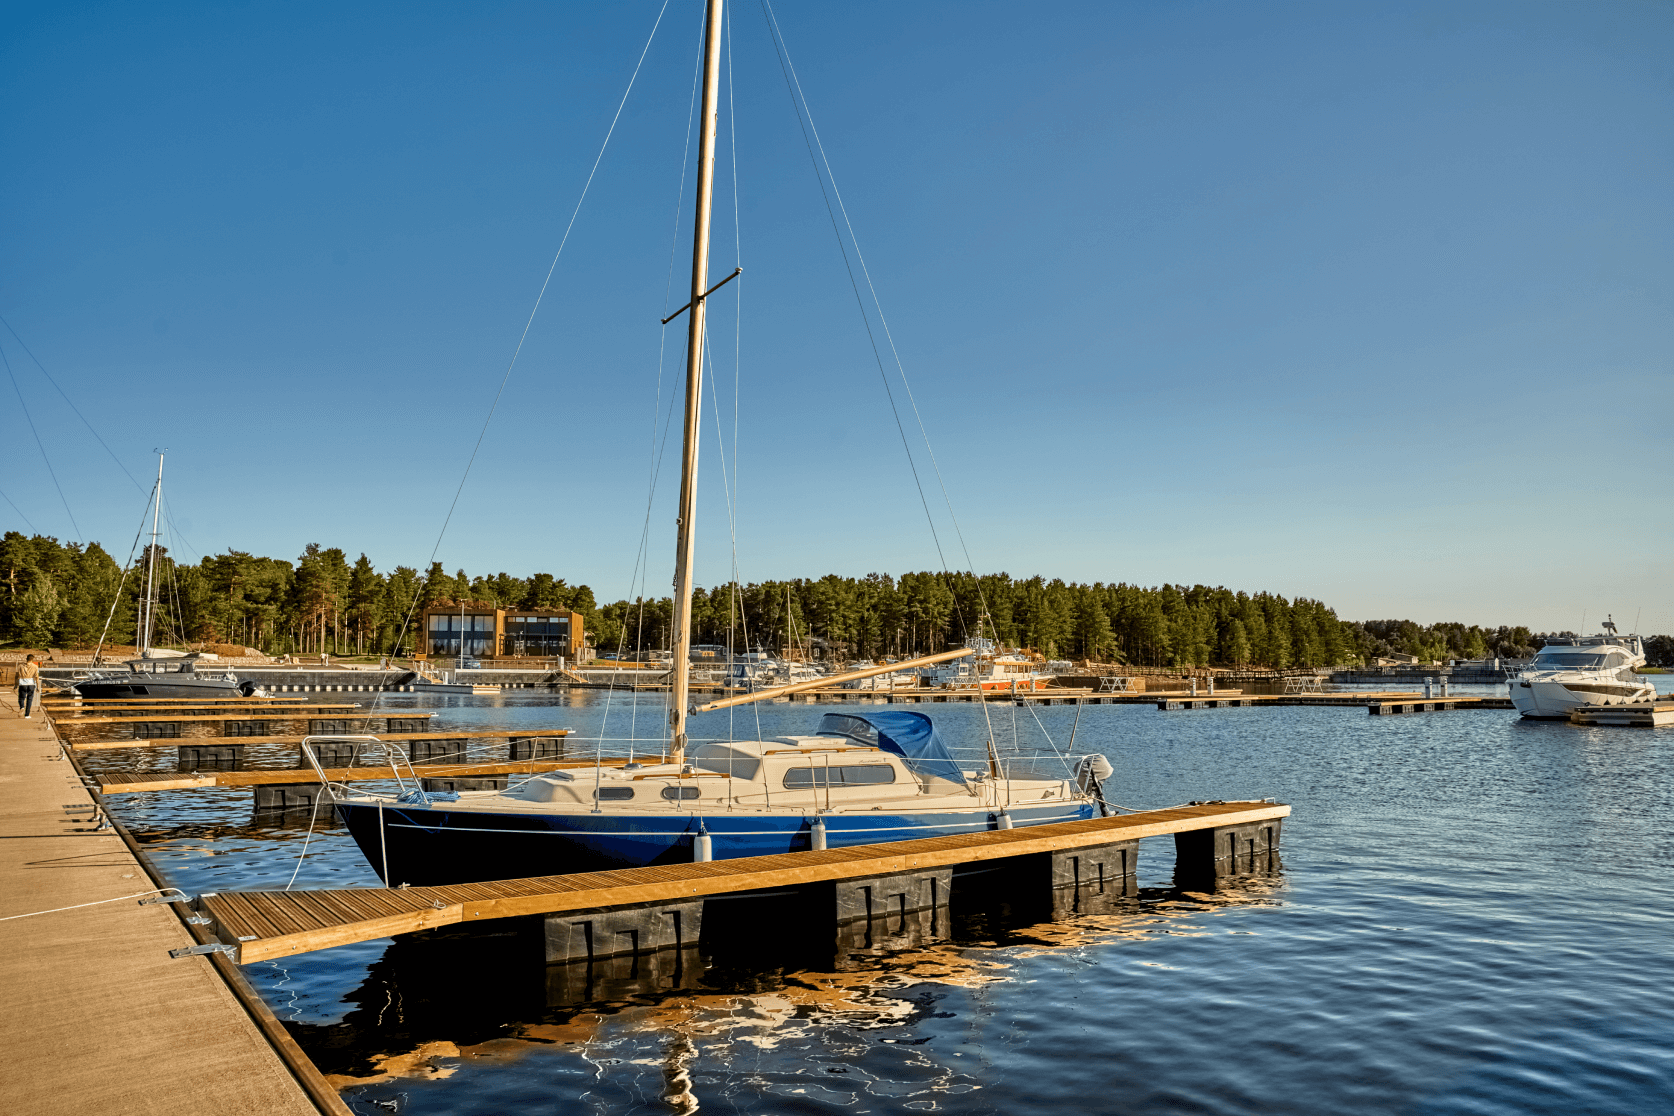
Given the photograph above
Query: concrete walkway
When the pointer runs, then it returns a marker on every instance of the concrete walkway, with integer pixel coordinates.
(95, 1017)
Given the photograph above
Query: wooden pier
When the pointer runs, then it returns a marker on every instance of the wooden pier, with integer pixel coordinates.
(54, 702)
(1164, 700)
(1221, 839)
(1644, 714)
(136, 782)
(336, 713)
(1435, 705)
(98, 1017)
(239, 741)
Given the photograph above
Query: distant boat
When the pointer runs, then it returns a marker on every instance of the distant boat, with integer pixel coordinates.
(993, 670)
(160, 673)
(1590, 670)
(178, 676)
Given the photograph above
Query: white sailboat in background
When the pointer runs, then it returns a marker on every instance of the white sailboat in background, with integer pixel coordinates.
(158, 671)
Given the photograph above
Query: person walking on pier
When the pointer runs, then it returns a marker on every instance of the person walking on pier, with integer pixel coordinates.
(28, 677)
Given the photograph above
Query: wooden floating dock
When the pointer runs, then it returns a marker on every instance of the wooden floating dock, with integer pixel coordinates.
(260, 926)
(1165, 700)
(240, 741)
(153, 703)
(98, 1017)
(1645, 714)
(1435, 705)
(335, 712)
(134, 782)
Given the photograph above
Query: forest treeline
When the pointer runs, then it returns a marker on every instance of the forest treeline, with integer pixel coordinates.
(54, 595)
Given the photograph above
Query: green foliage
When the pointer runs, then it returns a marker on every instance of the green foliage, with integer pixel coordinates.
(923, 612)
(61, 595)
(1437, 642)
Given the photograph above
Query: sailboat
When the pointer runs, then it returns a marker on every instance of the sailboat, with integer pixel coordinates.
(160, 673)
(857, 777)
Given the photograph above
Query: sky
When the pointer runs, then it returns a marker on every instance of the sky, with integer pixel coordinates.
(1370, 303)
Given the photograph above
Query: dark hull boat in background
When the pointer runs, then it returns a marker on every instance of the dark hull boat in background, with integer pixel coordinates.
(163, 678)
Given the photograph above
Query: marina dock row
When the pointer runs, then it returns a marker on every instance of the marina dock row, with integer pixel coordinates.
(142, 1008)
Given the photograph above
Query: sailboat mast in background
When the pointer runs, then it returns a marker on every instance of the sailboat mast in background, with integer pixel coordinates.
(148, 607)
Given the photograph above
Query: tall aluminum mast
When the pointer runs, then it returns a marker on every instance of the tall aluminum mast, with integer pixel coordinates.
(686, 524)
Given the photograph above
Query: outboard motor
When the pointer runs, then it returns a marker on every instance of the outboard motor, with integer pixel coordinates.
(1090, 775)
(247, 688)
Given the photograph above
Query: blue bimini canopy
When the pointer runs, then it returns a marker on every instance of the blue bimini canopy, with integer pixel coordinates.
(909, 735)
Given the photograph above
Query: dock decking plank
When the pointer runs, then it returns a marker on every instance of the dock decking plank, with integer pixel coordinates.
(135, 782)
(211, 741)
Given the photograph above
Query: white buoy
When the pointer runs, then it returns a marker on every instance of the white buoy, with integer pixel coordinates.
(816, 834)
(1004, 821)
(703, 848)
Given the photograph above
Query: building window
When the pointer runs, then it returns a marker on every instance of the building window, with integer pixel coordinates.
(453, 635)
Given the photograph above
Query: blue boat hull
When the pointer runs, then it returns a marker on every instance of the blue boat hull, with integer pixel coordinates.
(440, 846)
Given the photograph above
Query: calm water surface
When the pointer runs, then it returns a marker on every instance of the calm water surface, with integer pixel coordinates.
(1474, 917)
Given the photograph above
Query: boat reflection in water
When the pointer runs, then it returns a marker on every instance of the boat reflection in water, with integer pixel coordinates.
(444, 1001)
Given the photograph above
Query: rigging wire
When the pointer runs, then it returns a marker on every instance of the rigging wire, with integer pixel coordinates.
(72, 403)
(642, 556)
(798, 104)
(877, 303)
(126, 567)
(91, 429)
(524, 336)
(735, 594)
(811, 140)
(407, 621)
(30, 419)
(20, 514)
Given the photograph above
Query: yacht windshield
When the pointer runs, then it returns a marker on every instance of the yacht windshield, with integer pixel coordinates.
(1573, 661)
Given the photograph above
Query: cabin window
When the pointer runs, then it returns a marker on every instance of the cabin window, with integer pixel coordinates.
(614, 794)
(870, 774)
(675, 794)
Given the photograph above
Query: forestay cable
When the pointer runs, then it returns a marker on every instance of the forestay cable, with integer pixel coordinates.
(483, 433)
(38, 442)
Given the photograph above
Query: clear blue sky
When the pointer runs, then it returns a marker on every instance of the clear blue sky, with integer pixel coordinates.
(1367, 302)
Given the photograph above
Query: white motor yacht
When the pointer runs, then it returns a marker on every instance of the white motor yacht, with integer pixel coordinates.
(1585, 670)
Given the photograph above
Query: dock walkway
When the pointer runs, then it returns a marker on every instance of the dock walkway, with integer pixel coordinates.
(98, 1017)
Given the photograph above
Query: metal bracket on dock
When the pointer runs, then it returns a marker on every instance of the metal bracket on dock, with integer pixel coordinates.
(201, 950)
(177, 896)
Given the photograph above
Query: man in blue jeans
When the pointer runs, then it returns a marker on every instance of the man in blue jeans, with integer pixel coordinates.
(28, 678)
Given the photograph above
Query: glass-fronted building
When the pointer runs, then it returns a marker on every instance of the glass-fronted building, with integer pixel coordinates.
(478, 632)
